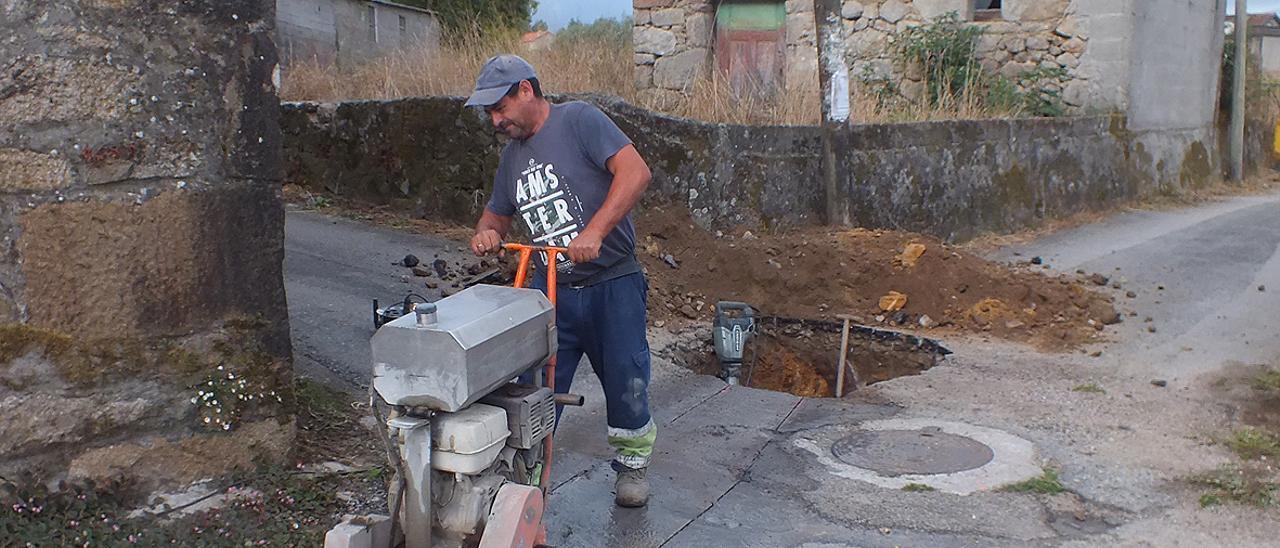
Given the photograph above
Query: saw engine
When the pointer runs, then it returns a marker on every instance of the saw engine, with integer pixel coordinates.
(469, 442)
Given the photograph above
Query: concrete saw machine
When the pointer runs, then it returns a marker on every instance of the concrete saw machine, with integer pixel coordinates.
(471, 447)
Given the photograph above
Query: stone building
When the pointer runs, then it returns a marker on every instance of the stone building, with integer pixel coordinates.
(774, 41)
(350, 31)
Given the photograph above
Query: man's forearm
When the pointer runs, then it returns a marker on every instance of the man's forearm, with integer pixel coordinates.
(492, 221)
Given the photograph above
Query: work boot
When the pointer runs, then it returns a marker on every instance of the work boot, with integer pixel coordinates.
(631, 490)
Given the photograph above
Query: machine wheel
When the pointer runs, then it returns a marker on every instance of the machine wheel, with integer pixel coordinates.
(515, 518)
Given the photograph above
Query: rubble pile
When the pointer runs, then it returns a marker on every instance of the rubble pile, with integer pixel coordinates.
(449, 278)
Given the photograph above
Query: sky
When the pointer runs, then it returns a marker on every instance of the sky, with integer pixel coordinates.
(557, 13)
(1255, 6)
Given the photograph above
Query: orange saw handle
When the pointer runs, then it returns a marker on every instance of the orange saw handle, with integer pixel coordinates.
(522, 270)
(522, 273)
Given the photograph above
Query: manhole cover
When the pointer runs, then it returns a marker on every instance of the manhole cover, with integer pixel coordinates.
(924, 451)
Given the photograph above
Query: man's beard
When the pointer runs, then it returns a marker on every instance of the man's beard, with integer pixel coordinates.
(512, 130)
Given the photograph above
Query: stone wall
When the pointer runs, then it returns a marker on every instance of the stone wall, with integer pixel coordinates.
(143, 240)
(672, 41)
(429, 154)
(960, 179)
(1092, 40)
(954, 179)
(1021, 37)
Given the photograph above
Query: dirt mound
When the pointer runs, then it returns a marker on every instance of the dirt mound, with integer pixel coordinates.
(817, 273)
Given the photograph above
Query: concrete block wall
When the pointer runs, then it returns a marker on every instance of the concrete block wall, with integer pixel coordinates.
(305, 31)
(1189, 80)
(1269, 53)
(350, 31)
(1101, 81)
(142, 239)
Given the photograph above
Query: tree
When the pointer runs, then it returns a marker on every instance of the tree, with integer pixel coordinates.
(615, 32)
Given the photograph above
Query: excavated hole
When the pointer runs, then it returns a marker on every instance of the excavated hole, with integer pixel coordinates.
(801, 356)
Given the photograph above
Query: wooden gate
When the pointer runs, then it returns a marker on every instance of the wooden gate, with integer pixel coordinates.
(751, 44)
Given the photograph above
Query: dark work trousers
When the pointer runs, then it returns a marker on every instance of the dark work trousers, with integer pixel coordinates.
(606, 322)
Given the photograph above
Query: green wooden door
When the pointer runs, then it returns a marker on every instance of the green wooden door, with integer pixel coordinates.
(750, 44)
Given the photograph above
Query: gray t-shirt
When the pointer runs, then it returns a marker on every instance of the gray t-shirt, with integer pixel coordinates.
(556, 180)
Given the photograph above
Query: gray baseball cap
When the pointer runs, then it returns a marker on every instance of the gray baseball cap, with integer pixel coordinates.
(497, 76)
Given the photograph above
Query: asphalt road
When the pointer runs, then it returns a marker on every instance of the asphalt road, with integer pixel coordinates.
(1208, 277)
(334, 268)
(728, 470)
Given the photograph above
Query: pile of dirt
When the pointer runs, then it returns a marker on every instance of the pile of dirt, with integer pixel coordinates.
(817, 273)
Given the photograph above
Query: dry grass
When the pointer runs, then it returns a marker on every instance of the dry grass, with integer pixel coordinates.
(711, 98)
(968, 106)
(452, 71)
(596, 67)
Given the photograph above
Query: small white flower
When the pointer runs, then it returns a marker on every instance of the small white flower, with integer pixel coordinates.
(206, 420)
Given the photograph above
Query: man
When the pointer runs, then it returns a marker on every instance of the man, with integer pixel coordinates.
(571, 177)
